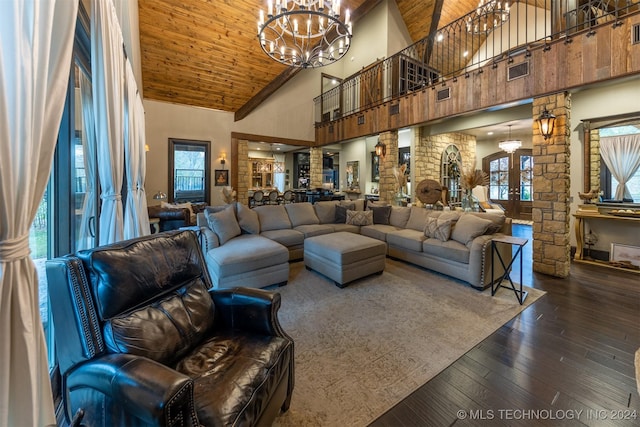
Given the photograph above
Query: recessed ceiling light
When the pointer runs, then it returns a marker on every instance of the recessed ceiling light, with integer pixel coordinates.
(440, 37)
(489, 133)
(465, 53)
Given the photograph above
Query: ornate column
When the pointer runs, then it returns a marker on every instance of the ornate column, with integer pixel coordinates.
(551, 184)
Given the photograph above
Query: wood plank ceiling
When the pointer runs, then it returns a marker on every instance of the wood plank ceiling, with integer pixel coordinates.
(205, 53)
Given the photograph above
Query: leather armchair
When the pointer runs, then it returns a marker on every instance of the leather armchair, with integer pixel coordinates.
(142, 340)
(170, 219)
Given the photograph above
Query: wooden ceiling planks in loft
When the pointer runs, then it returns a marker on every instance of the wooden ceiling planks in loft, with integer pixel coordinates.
(205, 53)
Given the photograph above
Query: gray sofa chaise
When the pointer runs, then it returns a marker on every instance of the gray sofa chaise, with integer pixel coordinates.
(252, 247)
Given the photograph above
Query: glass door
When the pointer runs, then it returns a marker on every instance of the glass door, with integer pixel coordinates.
(511, 182)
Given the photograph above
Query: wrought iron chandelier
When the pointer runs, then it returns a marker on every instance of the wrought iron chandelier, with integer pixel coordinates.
(489, 15)
(304, 33)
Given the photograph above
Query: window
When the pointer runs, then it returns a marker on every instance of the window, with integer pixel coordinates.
(189, 174)
(608, 182)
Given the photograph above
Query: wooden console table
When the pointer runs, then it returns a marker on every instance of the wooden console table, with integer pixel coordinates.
(579, 230)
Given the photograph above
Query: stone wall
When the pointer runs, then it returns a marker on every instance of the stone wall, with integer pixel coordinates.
(428, 151)
(244, 172)
(387, 186)
(551, 184)
(315, 167)
(594, 160)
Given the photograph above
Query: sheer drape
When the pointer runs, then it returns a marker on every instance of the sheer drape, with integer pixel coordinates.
(143, 215)
(89, 209)
(621, 154)
(107, 70)
(36, 40)
(278, 178)
(136, 221)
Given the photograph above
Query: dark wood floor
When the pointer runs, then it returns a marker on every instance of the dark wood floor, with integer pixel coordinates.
(565, 360)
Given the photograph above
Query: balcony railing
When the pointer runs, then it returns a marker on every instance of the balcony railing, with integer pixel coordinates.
(189, 185)
(477, 39)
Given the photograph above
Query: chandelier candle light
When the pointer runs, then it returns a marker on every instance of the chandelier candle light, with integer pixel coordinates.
(489, 15)
(304, 33)
(510, 145)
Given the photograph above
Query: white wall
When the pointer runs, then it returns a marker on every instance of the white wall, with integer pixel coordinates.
(164, 121)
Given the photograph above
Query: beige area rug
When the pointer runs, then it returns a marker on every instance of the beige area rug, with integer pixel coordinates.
(362, 349)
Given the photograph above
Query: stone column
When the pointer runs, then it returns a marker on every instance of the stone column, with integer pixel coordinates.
(315, 167)
(594, 160)
(244, 172)
(551, 184)
(387, 185)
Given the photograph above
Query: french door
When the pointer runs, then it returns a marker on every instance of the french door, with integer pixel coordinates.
(511, 181)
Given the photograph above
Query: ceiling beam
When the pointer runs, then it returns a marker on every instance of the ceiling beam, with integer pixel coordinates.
(435, 21)
(289, 72)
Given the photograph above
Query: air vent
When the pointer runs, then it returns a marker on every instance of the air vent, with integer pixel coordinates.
(635, 34)
(394, 109)
(360, 120)
(443, 94)
(517, 71)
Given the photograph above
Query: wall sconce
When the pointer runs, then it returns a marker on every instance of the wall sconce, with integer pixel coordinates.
(160, 196)
(546, 123)
(381, 149)
(223, 160)
(146, 148)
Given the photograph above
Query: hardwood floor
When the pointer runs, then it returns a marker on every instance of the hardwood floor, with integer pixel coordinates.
(565, 360)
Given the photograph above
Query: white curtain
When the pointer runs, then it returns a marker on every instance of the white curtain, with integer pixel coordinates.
(107, 68)
(143, 215)
(621, 154)
(36, 40)
(136, 221)
(86, 238)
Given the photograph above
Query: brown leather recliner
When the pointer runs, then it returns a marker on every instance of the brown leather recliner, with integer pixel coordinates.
(170, 219)
(141, 339)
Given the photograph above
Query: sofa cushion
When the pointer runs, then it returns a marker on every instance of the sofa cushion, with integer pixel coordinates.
(378, 231)
(359, 217)
(301, 214)
(247, 219)
(438, 228)
(407, 239)
(450, 250)
(272, 217)
(325, 211)
(399, 216)
(346, 227)
(381, 214)
(314, 229)
(468, 227)
(341, 212)
(287, 237)
(417, 218)
(247, 252)
(224, 224)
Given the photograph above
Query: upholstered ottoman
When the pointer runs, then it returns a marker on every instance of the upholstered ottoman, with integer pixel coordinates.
(344, 257)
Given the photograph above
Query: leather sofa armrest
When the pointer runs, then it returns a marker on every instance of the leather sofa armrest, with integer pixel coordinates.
(153, 392)
(249, 309)
(170, 214)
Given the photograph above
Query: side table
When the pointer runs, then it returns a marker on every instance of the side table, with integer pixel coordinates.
(512, 241)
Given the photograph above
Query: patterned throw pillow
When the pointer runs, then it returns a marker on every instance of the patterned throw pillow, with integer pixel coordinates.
(438, 228)
(359, 217)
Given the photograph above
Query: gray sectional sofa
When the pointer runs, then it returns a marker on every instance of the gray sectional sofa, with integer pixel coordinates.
(253, 247)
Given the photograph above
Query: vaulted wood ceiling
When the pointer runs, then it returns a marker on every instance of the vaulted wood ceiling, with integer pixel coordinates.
(205, 52)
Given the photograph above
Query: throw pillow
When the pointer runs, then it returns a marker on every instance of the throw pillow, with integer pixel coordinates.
(247, 219)
(381, 214)
(438, 229)
(468, 228)
(341, 212)
(224, 224)
(399, 216)
(301, 214)
(326, 211)
(359, 217)
(417, 218)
